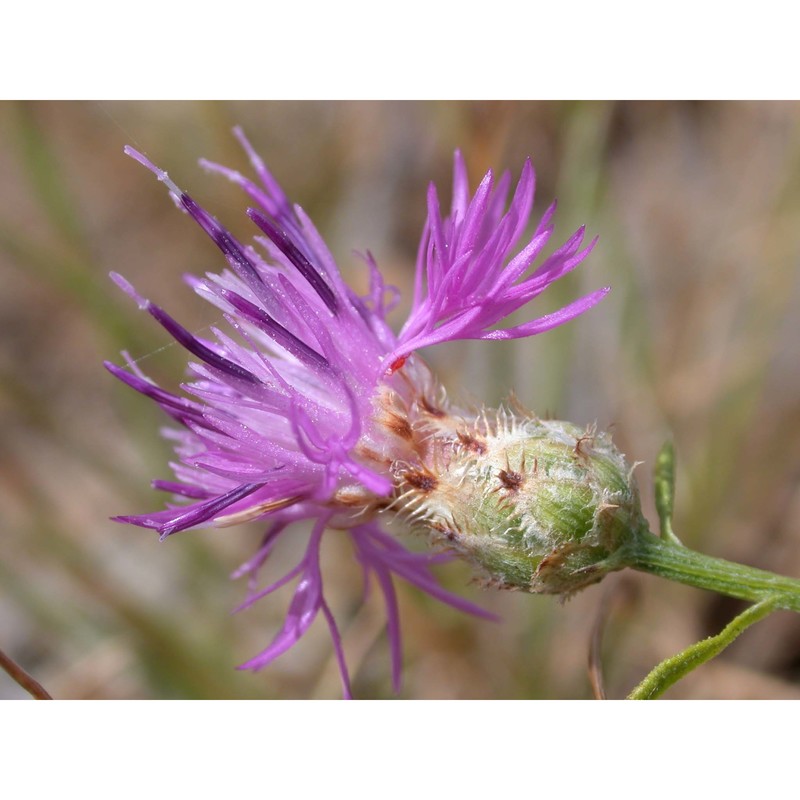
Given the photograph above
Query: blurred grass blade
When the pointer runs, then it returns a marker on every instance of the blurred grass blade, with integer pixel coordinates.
(42, 168)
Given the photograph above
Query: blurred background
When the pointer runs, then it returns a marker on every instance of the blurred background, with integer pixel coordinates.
(697, 208)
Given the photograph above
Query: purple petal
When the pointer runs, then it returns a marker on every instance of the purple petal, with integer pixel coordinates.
(337, 647)
(175, 520)
(288, 341)
(298, 260)
(303, 609)
(549, 321)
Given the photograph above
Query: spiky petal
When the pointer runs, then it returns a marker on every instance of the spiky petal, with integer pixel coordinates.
(468, 279)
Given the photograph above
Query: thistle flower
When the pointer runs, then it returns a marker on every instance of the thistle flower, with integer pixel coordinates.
(309, 408)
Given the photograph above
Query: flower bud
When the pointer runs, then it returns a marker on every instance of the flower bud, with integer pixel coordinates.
(537, 505)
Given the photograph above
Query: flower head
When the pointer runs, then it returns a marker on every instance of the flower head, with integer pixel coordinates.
(308, 407)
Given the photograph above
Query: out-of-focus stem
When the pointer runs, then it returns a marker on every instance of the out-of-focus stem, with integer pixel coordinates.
(26, 681)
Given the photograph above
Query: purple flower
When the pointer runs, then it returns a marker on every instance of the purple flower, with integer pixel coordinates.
(309, 407)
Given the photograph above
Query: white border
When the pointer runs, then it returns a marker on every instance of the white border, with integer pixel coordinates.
(428, 50)
(398, 749)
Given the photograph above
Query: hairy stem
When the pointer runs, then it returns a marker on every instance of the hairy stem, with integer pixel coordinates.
(671, 670)
(648, 553)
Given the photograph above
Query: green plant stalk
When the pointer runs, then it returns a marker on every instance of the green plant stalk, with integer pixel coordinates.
(648, 553)
(671, 670)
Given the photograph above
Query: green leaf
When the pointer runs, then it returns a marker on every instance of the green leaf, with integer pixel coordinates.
(664, 479)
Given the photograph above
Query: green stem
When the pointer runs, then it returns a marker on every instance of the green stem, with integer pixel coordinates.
(648, 553)
(671, 670)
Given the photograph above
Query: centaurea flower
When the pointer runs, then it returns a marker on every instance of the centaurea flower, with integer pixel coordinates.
(311, 409)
